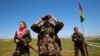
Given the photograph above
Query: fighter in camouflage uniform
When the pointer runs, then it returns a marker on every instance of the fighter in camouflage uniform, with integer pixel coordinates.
(79, 43)
(48, 42)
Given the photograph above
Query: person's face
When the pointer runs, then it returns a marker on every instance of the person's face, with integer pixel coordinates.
(76, 30)
(22, 25)
(47, 21)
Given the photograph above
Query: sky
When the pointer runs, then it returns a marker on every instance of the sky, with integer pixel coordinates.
(67, 11)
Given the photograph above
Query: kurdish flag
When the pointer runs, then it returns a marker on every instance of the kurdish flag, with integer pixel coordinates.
(81, 13)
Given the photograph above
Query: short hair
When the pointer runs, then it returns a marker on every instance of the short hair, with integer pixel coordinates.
(75, 28)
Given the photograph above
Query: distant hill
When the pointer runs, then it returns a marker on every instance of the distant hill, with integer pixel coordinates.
(93, 37)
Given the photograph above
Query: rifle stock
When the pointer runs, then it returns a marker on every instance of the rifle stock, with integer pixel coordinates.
(86, 49)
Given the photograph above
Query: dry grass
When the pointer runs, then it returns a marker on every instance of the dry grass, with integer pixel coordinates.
(7, 48)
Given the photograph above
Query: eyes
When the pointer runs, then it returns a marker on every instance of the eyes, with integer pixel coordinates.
(75, 29)
(21, 24)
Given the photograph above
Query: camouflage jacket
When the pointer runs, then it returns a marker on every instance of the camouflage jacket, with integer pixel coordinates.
(43, 29)
(47, 36)
(79, 38)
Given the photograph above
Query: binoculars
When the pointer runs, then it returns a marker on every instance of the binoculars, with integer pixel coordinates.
(47, 17)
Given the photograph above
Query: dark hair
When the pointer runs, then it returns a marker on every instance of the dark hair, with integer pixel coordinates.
(47, 17)
(23, 23)
(75, 28)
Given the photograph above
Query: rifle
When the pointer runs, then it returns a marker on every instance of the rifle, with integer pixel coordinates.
(86, 49)
(85, 45)
(25, 43)
(22, 41)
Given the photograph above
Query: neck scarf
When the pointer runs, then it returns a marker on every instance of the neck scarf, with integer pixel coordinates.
(21, 31)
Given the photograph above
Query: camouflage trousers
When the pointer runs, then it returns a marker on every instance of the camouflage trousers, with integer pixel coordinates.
(48, 47)
(77, 49)
(21, 51)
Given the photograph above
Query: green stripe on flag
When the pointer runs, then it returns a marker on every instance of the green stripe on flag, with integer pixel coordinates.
(81, 18)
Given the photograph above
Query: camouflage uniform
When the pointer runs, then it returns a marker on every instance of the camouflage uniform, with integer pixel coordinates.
(48, 42)
(79, 44)
(21, 49)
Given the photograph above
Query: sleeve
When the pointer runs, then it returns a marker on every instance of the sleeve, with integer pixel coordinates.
(73, 37)
(15, 36)
(29, 37)
(82, 37)
(35, 28)
(58, 26)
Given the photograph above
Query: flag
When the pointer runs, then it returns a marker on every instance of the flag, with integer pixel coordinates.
(81, 13)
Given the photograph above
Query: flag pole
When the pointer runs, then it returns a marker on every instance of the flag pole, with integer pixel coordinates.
(86, 49)
(82, 27)
(82, 20)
